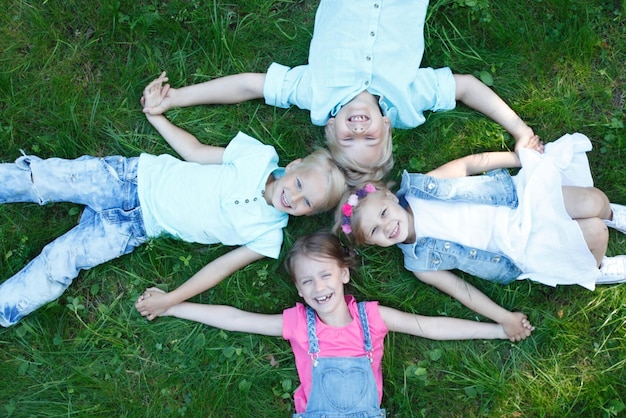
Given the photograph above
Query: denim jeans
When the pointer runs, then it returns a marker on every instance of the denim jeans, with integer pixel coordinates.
(111, 224)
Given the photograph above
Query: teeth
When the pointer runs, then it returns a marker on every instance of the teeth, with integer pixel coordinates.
(395, 231)
(358, 118)
(323, 299)
(284, 200)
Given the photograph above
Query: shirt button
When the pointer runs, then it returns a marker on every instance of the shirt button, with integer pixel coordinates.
(236, 202)
(431, 186)
(247, 201)
(255, 199)
(446, 245)
(496, 259)
(473, 253)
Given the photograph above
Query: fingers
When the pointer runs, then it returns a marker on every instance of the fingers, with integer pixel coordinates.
(146, 307)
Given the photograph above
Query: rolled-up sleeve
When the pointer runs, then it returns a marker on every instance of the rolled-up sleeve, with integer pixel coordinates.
(285, 86)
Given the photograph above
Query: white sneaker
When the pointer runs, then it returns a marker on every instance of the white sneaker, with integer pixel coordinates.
(613, 270)
(619, 218)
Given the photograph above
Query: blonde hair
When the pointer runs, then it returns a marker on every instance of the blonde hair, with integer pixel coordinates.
(355, 172)
(356, 236)
(321, 161)
(319, 245)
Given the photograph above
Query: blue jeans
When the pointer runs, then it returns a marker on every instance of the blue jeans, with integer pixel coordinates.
(111, 224)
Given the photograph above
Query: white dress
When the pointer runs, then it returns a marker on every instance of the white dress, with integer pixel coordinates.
(545, 243)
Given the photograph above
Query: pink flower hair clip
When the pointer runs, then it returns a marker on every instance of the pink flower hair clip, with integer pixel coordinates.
(353, 201)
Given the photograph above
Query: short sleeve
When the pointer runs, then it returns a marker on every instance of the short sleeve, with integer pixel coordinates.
(268, 244)
(291, 320)
(245, 146)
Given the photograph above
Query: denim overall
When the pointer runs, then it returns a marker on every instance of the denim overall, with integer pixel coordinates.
(111, 224)
(342, 386)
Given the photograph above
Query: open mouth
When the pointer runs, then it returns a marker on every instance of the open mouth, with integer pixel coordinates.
(323, 299)
(358, 118)
(283, 200)
(395, 232)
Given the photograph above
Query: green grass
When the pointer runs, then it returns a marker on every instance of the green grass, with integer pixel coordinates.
(71, 74)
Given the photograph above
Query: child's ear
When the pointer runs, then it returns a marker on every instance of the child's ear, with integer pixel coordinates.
(293, 164)
(391, 196)
(345, 275)
(330, 125)
(387, 123)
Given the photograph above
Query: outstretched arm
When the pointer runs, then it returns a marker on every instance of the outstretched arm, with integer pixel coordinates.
(230, 89)
(473, 93)
(440, 327)
(226, 317)
(184, 143)
(152, 304)
(515, 324)
(475, 164)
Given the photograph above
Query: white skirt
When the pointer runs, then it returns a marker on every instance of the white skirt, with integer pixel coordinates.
(550, 246)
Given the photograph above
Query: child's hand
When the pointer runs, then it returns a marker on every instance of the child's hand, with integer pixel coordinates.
(152, 303)
(517, 327)
(531, 142)
(156, 96)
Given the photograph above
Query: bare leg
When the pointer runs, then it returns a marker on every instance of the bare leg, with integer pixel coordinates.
(596, 236)
(586, 202)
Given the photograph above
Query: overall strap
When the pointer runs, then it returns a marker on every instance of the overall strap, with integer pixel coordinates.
(314, 346)
(367, 339)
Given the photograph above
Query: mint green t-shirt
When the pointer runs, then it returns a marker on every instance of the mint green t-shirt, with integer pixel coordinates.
(214, 203)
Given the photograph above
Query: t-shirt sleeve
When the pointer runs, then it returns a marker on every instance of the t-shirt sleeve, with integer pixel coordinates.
(285, 86)
(245, 146)
(376, 322)
(268, 244)
(290, 322)
(434, 90)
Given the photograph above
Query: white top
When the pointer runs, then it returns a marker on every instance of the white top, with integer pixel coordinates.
(539, 236)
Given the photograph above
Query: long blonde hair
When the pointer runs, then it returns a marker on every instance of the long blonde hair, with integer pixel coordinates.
(356, 173)
(322, 161)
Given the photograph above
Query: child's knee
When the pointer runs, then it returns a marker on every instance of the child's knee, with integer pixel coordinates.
(25, 163)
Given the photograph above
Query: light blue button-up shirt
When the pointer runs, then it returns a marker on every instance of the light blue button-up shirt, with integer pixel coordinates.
(361, 45)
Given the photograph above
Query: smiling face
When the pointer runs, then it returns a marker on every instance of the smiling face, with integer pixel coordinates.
(383, 222)
(320, 283)
(301, 191)
(361, 129)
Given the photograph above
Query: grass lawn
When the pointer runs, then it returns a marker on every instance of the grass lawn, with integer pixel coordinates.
(71, 75)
